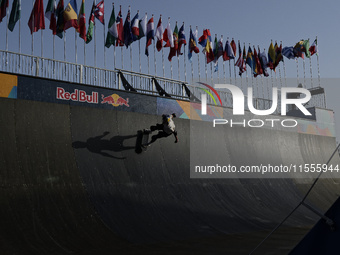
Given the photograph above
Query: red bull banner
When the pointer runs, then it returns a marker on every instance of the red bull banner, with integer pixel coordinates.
(44, 90)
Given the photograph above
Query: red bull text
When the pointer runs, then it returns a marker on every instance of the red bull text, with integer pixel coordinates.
(77, 96)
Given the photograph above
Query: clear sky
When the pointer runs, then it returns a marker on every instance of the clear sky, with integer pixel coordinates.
(254, 22)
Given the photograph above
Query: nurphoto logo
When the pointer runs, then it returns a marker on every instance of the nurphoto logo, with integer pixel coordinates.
(238, 105)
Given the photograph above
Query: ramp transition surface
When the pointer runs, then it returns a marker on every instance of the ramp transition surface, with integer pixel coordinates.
(72, 182)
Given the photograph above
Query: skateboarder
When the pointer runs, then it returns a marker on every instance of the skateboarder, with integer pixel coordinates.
(165, 129)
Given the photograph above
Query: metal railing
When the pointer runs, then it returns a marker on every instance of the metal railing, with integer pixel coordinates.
(24, 64)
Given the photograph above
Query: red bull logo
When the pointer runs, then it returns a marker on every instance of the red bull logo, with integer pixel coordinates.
(77, 96)
(115, 100)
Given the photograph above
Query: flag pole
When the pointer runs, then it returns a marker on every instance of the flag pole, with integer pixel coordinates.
(104, 47)
(218, 70)
(95, 45)
(42, 61)
(170, 61)
(311, 71)
(131, 57)
(304, 73)
(224, 77)
(240, 72)
(75, 45)
(297, 69)
(284, 69)
(114, 57)
(32, 52)
(264, 50)
(198, 58)
(140, 64)
(84, 53)
(19, 45)
(234, 64)
(131, 52)
(163, 58)
(211, 74)
(317, 60)
(262, 83)
(7, 29)
(229, 64)
(19, 37)
(7, 37)
(192, 68)
(64, 53)
(121, 47)
(185, 64)
(179, 75)
(154, 56)
(280, 66)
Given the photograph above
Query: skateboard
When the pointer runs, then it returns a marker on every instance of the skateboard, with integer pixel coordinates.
(145, 139)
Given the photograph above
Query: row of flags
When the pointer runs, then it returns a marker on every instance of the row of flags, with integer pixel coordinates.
(125, 33)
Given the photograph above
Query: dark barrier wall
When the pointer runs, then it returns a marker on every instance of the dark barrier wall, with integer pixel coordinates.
(72, 182)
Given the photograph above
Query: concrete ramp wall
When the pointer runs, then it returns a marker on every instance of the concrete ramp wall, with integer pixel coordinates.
(72, 182)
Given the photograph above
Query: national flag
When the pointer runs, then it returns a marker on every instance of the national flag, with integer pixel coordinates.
(3, 7)
(37, 19)
(215, 47)
(299, 49)
(203, 39)
(71, 15)
(135, 27)
(228, 52)
(99, 12)
(306, 48)
(314, 48)
(263, 62)
(159, 34)
(244, 57)
(278, 57)
(127, 30)
(208, 51)
(89, 34)
(110, 39)
(142, 26)
(120, 29)
(50, 8)
(288, 52)
(271, 56)
(174, 50)
(193, 43)
(150, 30)
(250, 60)
(240, 62)
(218, 51)
(258, 67)
(60, 20)
(239, 54)
(82, 21)
(15, 14)
(168, 37)
(233, 46)
(181, 39)
(50, 13)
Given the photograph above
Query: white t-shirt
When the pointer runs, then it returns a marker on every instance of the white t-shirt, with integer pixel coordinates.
(169, 125)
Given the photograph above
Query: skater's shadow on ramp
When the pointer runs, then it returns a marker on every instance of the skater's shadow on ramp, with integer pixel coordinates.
(104, 146)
